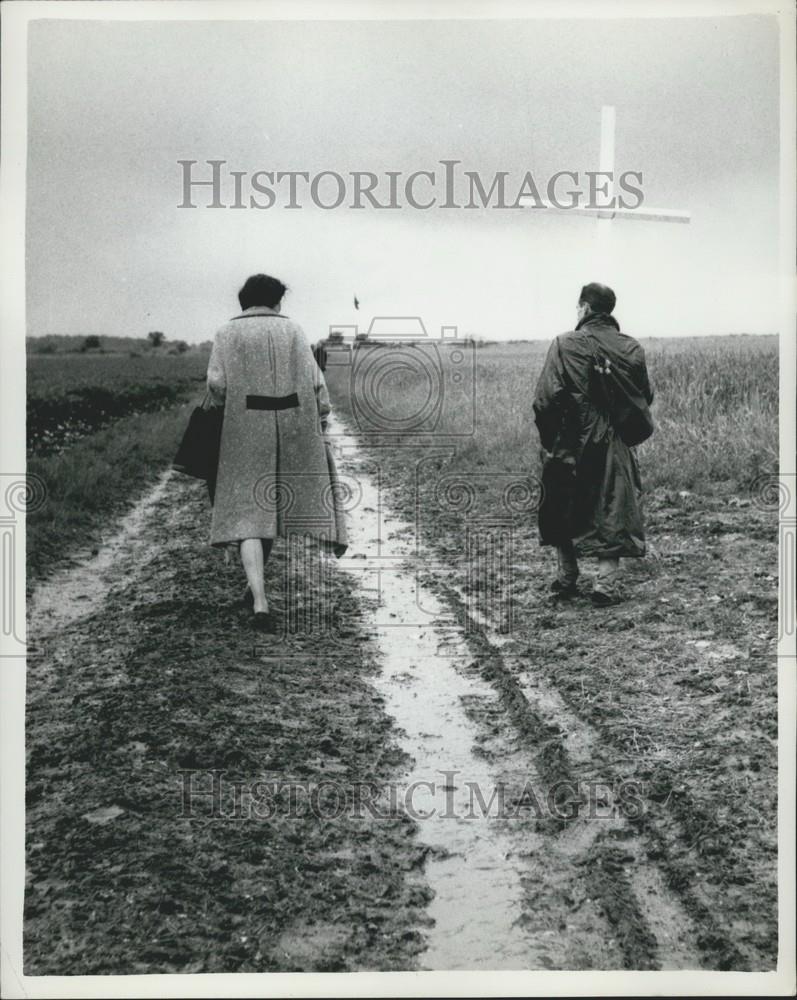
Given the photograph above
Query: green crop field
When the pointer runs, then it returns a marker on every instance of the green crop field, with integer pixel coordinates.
(100, 428)
(70, 395)
(716, 407)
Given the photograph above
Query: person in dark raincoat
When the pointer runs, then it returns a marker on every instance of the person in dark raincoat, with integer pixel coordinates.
(591, 407)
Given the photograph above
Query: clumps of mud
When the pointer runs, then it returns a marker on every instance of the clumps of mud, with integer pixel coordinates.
(679, 686)
(171, 824)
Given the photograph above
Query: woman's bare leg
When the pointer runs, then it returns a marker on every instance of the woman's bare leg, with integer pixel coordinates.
(252, 557)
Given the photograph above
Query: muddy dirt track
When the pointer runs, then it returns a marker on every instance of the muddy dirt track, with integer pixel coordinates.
(402, 778)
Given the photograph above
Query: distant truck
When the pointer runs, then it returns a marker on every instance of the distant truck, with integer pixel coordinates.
(387, 331)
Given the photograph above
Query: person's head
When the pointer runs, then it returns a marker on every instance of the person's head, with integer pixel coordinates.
(595, 298)
(261, 290)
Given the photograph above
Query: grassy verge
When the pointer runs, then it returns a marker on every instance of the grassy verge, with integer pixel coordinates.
(100, 476)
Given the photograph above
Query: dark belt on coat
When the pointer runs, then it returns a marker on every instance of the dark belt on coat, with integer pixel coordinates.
(272, 402)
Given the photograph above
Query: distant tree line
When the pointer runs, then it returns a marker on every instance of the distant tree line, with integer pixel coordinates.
(93, 343)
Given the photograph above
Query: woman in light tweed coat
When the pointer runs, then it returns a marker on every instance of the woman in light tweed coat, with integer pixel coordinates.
(276, 474)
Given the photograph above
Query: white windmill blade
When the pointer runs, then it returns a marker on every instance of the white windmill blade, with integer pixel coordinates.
(606, 167)
(648, 214)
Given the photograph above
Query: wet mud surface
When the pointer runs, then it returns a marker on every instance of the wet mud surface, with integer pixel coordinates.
(526, 784)
(503, 890)
(547, 875)
(165, 740)
(659, 716)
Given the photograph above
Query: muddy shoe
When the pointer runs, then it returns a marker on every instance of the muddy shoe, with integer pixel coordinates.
(563, 591)
(263, 621)
(600, 599)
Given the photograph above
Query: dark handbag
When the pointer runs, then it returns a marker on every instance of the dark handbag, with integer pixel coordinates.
(198, 454)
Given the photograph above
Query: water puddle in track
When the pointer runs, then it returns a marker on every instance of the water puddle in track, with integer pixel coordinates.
(673, 929)
(78, 591)
(503, 899)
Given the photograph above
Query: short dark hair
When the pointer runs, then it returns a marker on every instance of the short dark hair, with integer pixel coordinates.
(600, 298)
(261, 290)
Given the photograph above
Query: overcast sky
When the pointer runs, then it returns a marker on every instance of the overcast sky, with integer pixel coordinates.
(113, 106)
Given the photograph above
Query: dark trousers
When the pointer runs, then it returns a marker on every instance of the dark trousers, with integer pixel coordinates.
(608, 569)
